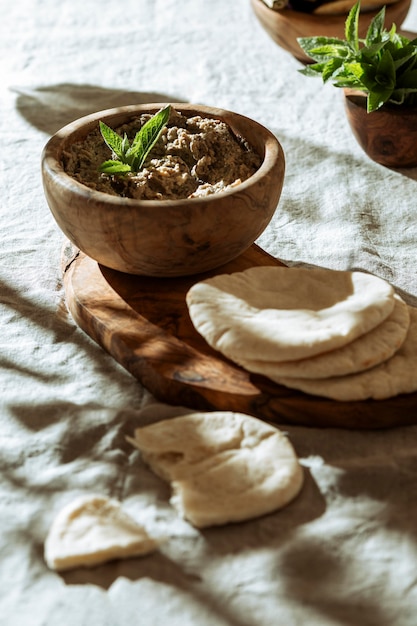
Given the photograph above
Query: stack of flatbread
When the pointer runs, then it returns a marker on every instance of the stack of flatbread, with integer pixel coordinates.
(339, 334)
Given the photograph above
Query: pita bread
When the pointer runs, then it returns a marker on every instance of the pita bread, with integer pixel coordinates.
(368, 350)
(280, 314)
(222, 466)
(393, 377)
(91, 530)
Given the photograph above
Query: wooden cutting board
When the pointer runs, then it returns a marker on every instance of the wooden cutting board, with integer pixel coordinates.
(143, 323)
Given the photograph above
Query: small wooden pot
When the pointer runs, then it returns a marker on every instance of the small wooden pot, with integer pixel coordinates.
(164, 237)
(286, 25)
(388, 136)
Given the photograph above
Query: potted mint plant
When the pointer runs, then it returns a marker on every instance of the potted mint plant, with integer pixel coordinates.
(379, 77)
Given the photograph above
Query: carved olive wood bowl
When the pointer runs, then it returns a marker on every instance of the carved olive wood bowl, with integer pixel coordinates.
(164, 237)
(286, 25)
(388, 136)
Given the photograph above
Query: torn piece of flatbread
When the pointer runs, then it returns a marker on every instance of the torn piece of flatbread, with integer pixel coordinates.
(280, 314)
(368, 350)
(222, 466)
(391, 378)
(93, 529)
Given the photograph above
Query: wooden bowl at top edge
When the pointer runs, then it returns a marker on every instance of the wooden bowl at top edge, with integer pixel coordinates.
(164, 238)
(286, 25)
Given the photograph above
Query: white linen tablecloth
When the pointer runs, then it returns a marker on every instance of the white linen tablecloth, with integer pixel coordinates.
(345, 552)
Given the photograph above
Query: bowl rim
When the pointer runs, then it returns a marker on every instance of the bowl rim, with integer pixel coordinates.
(52, 165)
(331, 18)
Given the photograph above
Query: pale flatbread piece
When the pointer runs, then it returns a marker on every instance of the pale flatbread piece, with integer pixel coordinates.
(91, 530)
(282, 314)
(393, 377)
(222, 466)
(368, 350)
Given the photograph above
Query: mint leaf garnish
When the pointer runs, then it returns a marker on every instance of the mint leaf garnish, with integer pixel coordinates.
(146, 138)
(114, 167)
(130, 157)
(113, 140)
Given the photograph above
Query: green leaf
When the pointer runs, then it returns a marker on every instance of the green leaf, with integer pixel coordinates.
(132, 156)
(147, 137)
(331, 68)
(385, 71)
(394, 37)
(125, 145)
(351, 27)
(310, 44)
(114, 167)
(403, 55)
(375, 29)
(365, 74)
(314, 69)
(377, 98)
(370, 53)
(350, 83)
(116, 143)
(330, 51)
(393, 48)
(408, 80)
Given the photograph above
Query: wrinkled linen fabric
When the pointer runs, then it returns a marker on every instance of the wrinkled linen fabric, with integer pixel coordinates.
(345, 551)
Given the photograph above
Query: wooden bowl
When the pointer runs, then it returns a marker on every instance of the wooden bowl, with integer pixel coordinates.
(388, 136)
(164, 237)
(286, 25)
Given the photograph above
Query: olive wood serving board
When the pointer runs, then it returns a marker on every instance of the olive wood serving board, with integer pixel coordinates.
(143, 323)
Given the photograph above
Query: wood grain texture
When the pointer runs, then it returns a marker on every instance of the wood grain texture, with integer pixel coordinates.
(164, 237)
(286, 25)
(143, 323)
(388, 136)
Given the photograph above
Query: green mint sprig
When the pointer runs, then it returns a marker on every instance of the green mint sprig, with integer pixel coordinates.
(383, 65)
(130, 157)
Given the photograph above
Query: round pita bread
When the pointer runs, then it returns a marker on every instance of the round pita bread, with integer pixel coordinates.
(368, 350)
(391, 378)
(222, 466)
(280, 314)
(93, 529)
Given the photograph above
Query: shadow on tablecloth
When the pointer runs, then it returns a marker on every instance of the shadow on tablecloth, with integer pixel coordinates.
(51, 107)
